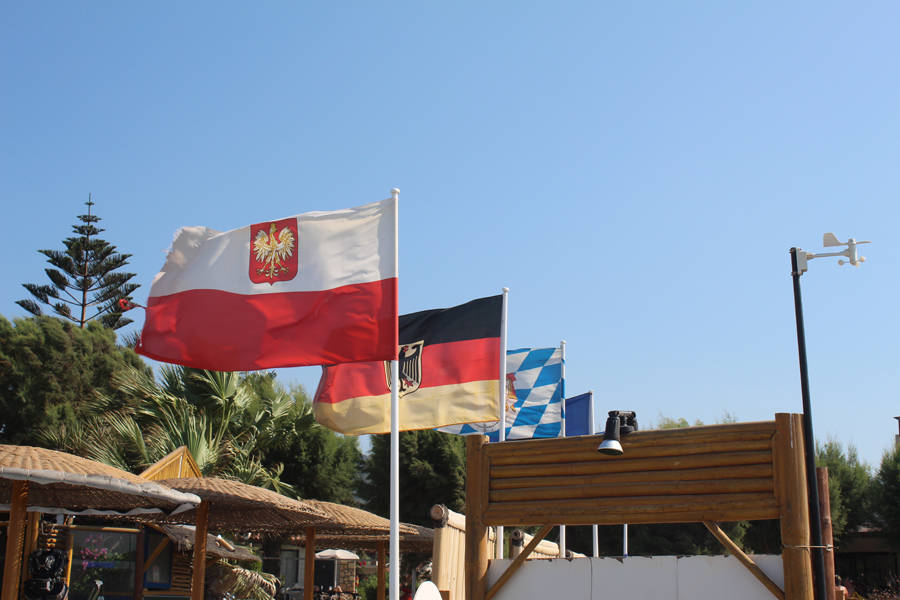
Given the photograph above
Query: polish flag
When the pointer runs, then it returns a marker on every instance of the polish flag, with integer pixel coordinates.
(318, 288)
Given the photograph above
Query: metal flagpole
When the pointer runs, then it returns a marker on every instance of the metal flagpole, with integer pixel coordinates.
(595, 530)
(394, 585)
(562, 424)
(498, 550)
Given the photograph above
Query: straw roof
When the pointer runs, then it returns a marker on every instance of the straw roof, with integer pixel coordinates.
(347, 520)
(65, 483)
(236, 506)
(183, 537)
(413, 538)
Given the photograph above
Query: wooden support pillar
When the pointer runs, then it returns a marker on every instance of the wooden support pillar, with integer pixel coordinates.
(309, 563)
(70, 551)
(138, 591)
(15, 541)
(32, 530)
(382, 563)
(198, 574)
(476, 531)
(790, 490)
(827, 534)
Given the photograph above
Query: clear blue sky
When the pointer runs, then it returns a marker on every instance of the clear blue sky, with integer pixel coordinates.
(634, 172)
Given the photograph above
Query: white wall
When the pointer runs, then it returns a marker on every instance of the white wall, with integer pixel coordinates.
(638, 578)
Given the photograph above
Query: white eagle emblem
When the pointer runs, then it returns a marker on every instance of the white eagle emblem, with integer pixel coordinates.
(272, 250)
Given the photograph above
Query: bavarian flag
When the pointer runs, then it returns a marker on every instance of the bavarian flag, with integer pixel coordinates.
(449, 373)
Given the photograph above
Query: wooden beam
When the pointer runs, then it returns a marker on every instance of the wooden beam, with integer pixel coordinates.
(745, 560)
(138, 591)
(156, 552)
(15, 541)
(309, 563)
(476, 531)
(827, 533)
(32, 530)
(518, 561)
(790, 490)
(198, 571)
(70, 554)
(381, 564)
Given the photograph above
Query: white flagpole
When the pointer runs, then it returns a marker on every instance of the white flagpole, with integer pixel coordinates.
(394, 556)
(595, 530)
(562, 423)
(498, 550)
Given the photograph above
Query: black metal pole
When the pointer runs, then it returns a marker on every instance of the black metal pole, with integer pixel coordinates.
(815, 516)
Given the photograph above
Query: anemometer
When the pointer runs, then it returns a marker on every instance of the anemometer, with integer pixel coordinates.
(829, 240)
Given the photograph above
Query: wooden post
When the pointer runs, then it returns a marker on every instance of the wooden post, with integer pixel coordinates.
(309, 563)
(476, 531)
(382, 561)
(198, 575)
(827, 534)
(790, 490)
(32, 530)
(70, 555)
(138, 591)
(15, 540)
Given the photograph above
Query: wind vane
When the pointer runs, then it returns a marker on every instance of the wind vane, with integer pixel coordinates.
(830, 240)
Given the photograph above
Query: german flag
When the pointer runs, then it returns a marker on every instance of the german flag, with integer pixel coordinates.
(449, 373)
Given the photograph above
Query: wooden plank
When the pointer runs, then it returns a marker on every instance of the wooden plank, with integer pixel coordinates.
(156, 552)
(790, 485)
(764, 442)
(611, 511)
(476, 531)
(15, 540)
(687, 435)
(619, 465)
(198, 568)
(745, 560)
(643, 489)
(737, 472)
(518, 561)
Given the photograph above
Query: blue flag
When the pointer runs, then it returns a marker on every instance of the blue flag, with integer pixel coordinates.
(535, 408)
(578, 414)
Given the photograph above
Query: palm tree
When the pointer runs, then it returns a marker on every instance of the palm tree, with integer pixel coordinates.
(218, 416)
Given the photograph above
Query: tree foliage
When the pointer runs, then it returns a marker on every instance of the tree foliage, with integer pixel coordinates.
(49, 369)
(243, 427)
(886, 493)
(849, 483)
(432, 471)
(85, 283)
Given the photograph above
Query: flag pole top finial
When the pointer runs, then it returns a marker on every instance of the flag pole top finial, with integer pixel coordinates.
(505, 290)
(395, 190)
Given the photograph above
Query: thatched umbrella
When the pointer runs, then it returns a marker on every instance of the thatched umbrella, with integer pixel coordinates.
(413, 538)
(55, 482)
(183, 536)
(234, 506)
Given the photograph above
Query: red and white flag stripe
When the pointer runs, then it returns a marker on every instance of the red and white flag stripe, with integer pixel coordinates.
(315, 289)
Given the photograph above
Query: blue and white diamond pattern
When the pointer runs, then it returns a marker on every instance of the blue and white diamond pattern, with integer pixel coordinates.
(537, 410)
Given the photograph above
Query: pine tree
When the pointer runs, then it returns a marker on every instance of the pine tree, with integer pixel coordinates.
(86, 283)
